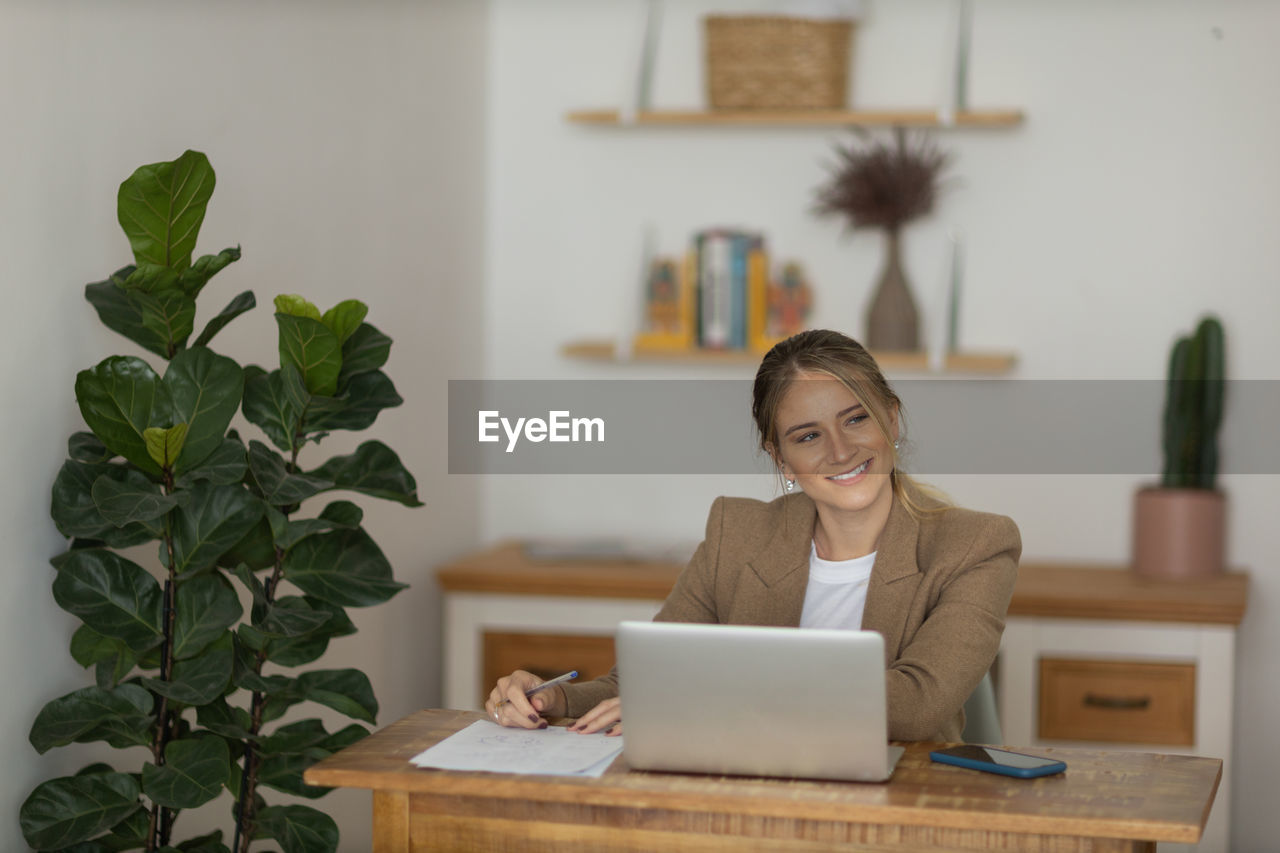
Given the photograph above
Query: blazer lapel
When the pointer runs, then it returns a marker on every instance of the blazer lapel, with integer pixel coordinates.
(783, 565)
(890, 589)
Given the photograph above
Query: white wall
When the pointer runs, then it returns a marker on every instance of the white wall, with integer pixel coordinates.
(1140, 192)
(348, 140)
(355, 143)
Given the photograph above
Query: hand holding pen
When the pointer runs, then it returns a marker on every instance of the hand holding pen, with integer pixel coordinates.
(521, 699)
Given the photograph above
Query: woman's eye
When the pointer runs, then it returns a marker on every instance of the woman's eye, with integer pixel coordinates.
(856, 419)
(808, 436)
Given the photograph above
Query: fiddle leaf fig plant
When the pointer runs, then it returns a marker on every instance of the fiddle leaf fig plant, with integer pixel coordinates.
(248, 561)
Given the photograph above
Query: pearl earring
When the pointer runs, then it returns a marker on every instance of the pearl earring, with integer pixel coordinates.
(791, 484)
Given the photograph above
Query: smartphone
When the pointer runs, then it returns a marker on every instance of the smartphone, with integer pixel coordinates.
(1000, 761)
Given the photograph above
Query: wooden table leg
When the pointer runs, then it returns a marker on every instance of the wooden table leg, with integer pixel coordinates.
(390, 822)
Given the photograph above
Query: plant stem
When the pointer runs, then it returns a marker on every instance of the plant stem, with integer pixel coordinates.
(160, 823)
(245, 810)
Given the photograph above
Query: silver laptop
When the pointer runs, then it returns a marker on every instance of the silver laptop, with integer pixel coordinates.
(732, 699)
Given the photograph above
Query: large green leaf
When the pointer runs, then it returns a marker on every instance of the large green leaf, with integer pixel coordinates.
(287, 617)
(130, 833)
(291, 616)
(269, 407)
(71, 809)
(280, 487)
(344, 567)
(225, 466)
(193, 279)
(244, 675)
(121, 716)
(148, 278)
(226, 720)
(214, 519)
(338, 514)
(367, 349)
(363, 398)
(294, 532)
(241, 303)
(298, 829)
(347, 691)
(169, 315)
(344, 318)
(257, 591)
(119, 399)
(205, 389)
(210, 843)
(161, 207)
(374, 469)
(205, 606)
(284, 773)
(293, 738)
(200, 679)
(315, 351)
(87, 447)
(296, 651)
(193, 772)
(112, 595)
(121, 313)
(133, 497)
(112, 659)
(256, 549)
(76, 514)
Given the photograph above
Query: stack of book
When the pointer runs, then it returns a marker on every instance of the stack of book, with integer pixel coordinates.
(721, 296)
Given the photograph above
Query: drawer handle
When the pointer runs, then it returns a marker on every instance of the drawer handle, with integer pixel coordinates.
(1117, 703)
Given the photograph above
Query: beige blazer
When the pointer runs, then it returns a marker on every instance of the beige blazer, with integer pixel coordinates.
(938, 595)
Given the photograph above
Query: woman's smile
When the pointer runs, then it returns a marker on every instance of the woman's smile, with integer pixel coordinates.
(854, 474)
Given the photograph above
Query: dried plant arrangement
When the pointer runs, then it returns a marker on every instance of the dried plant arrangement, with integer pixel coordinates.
(880, 185)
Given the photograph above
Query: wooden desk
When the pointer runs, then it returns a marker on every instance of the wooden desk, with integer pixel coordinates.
(1106, 801)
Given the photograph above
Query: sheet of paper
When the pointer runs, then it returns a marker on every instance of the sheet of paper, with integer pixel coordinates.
(554, 751)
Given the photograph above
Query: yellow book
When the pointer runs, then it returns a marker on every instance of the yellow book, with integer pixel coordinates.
(757, 296)
(758, 337)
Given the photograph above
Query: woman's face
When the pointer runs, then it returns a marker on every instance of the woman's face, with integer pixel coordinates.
(828, 442)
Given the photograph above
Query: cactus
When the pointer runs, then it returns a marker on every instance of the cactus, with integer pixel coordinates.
(1193, 408)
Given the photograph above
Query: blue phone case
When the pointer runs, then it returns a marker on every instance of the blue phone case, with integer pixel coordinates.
(1002, 769)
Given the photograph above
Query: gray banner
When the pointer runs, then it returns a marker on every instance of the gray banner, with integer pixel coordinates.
(952, 427)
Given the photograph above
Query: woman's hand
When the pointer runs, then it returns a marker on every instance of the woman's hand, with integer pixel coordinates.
(507, 705)
(600, 718)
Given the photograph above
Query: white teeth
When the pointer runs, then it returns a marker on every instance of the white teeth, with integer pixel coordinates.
(855, 472)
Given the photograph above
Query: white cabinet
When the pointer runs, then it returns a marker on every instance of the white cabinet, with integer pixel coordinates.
(1100, 658)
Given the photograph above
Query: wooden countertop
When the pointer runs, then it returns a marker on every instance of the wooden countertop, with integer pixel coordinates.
(1059, 590)
(1103, 794)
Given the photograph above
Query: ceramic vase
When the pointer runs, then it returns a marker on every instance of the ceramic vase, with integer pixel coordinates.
(893, 323)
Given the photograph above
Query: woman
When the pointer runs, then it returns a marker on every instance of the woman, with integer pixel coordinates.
(859, 545)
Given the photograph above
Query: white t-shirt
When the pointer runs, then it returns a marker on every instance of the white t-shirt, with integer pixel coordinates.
(837, 591)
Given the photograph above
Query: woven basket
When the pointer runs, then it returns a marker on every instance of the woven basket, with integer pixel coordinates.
(761, 62)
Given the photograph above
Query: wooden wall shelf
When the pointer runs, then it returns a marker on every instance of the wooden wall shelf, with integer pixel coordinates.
(913, 362)
(801, 118)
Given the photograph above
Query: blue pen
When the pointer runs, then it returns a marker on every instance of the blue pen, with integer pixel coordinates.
(559, 679)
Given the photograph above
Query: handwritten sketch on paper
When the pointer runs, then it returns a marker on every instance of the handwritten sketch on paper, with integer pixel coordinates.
(556, 751)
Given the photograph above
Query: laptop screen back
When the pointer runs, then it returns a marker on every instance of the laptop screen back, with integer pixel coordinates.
(748, 700)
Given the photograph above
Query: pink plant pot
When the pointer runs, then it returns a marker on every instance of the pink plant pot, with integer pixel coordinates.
(1179, 533)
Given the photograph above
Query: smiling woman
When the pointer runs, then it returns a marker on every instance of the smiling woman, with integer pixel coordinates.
(861, 546)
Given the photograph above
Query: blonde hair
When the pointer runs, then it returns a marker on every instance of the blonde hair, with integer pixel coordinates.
(842, 358)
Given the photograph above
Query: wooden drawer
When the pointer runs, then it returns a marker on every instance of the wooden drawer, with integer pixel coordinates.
(1120, 701)
(545, 655)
